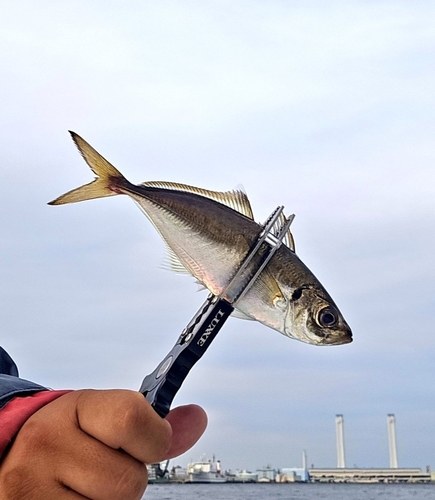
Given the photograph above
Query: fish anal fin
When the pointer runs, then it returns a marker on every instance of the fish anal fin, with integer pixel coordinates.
(241, 315)
(173, 263)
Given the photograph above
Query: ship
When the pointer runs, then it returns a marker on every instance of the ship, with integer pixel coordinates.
(205, 471)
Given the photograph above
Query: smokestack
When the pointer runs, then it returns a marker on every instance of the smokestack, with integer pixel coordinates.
(339, 423)
(391, 423)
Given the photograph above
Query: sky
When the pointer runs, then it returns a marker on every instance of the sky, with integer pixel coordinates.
(327, 108)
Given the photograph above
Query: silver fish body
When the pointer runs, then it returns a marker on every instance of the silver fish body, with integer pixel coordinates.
(209, 237)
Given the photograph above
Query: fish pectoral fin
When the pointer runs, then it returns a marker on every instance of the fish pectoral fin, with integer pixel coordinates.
(269, 290)
(236, 199)
(108, 177)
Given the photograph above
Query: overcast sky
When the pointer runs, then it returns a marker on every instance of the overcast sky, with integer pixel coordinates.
(327, 108)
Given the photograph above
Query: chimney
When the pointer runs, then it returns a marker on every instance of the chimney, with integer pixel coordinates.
(340, 441)
(391, 422)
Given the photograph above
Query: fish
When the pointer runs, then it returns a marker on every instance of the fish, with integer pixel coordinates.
(208, 235)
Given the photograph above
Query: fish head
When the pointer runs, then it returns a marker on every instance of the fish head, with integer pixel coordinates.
(312, 317)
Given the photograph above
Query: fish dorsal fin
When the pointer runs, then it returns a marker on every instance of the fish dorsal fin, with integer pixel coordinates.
(288, 239)
(236, 199)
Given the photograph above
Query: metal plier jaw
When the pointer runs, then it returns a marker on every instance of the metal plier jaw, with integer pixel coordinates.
(161, 386)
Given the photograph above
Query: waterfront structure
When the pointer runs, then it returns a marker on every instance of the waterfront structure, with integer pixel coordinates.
(245, 476)
(266, 474)
(210, 471)
(395, 475)
(391, 423)
(339, 427)
(293, 475)
(178, 474)
(158, 473)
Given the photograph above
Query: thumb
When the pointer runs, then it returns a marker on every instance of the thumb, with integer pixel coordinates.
(188, 425)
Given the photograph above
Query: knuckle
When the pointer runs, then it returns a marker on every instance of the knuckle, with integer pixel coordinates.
(11, 481)
(128, 416)
(17, 480)
(132, 482)
(37, 435)
(25, 466)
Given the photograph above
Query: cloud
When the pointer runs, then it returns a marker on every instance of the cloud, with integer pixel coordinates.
(325, 108)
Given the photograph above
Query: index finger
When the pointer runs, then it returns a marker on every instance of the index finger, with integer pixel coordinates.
(124, 420)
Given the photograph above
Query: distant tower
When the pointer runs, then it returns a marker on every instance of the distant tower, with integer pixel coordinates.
(304, 460)
(391, 422)
(339, 423)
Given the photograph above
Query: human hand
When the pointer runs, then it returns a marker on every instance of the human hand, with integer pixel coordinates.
(93, 444)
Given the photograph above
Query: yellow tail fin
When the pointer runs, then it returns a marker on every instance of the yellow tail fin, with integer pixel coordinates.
(104, 184)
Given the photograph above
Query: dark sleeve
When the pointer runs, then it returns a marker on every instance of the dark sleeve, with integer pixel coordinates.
(7, 365)
(10, 385)
(19, 399)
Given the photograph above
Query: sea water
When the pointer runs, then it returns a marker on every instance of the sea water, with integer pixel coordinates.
(290, 491)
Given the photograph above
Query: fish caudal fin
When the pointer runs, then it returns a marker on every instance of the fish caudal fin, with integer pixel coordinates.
(108, 177)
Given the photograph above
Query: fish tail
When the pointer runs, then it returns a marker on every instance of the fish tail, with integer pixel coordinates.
(108, 182)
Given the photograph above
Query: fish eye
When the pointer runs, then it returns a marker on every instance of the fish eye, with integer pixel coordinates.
(297, 294)
(327, 317)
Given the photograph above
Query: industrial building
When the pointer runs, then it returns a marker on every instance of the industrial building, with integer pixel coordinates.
(394, 474)
(345, 475)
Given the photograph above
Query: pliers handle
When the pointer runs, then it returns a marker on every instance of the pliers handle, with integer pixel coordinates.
(161, 386)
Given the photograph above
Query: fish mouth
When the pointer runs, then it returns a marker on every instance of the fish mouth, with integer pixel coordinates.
(333, 338)
(337, 338)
